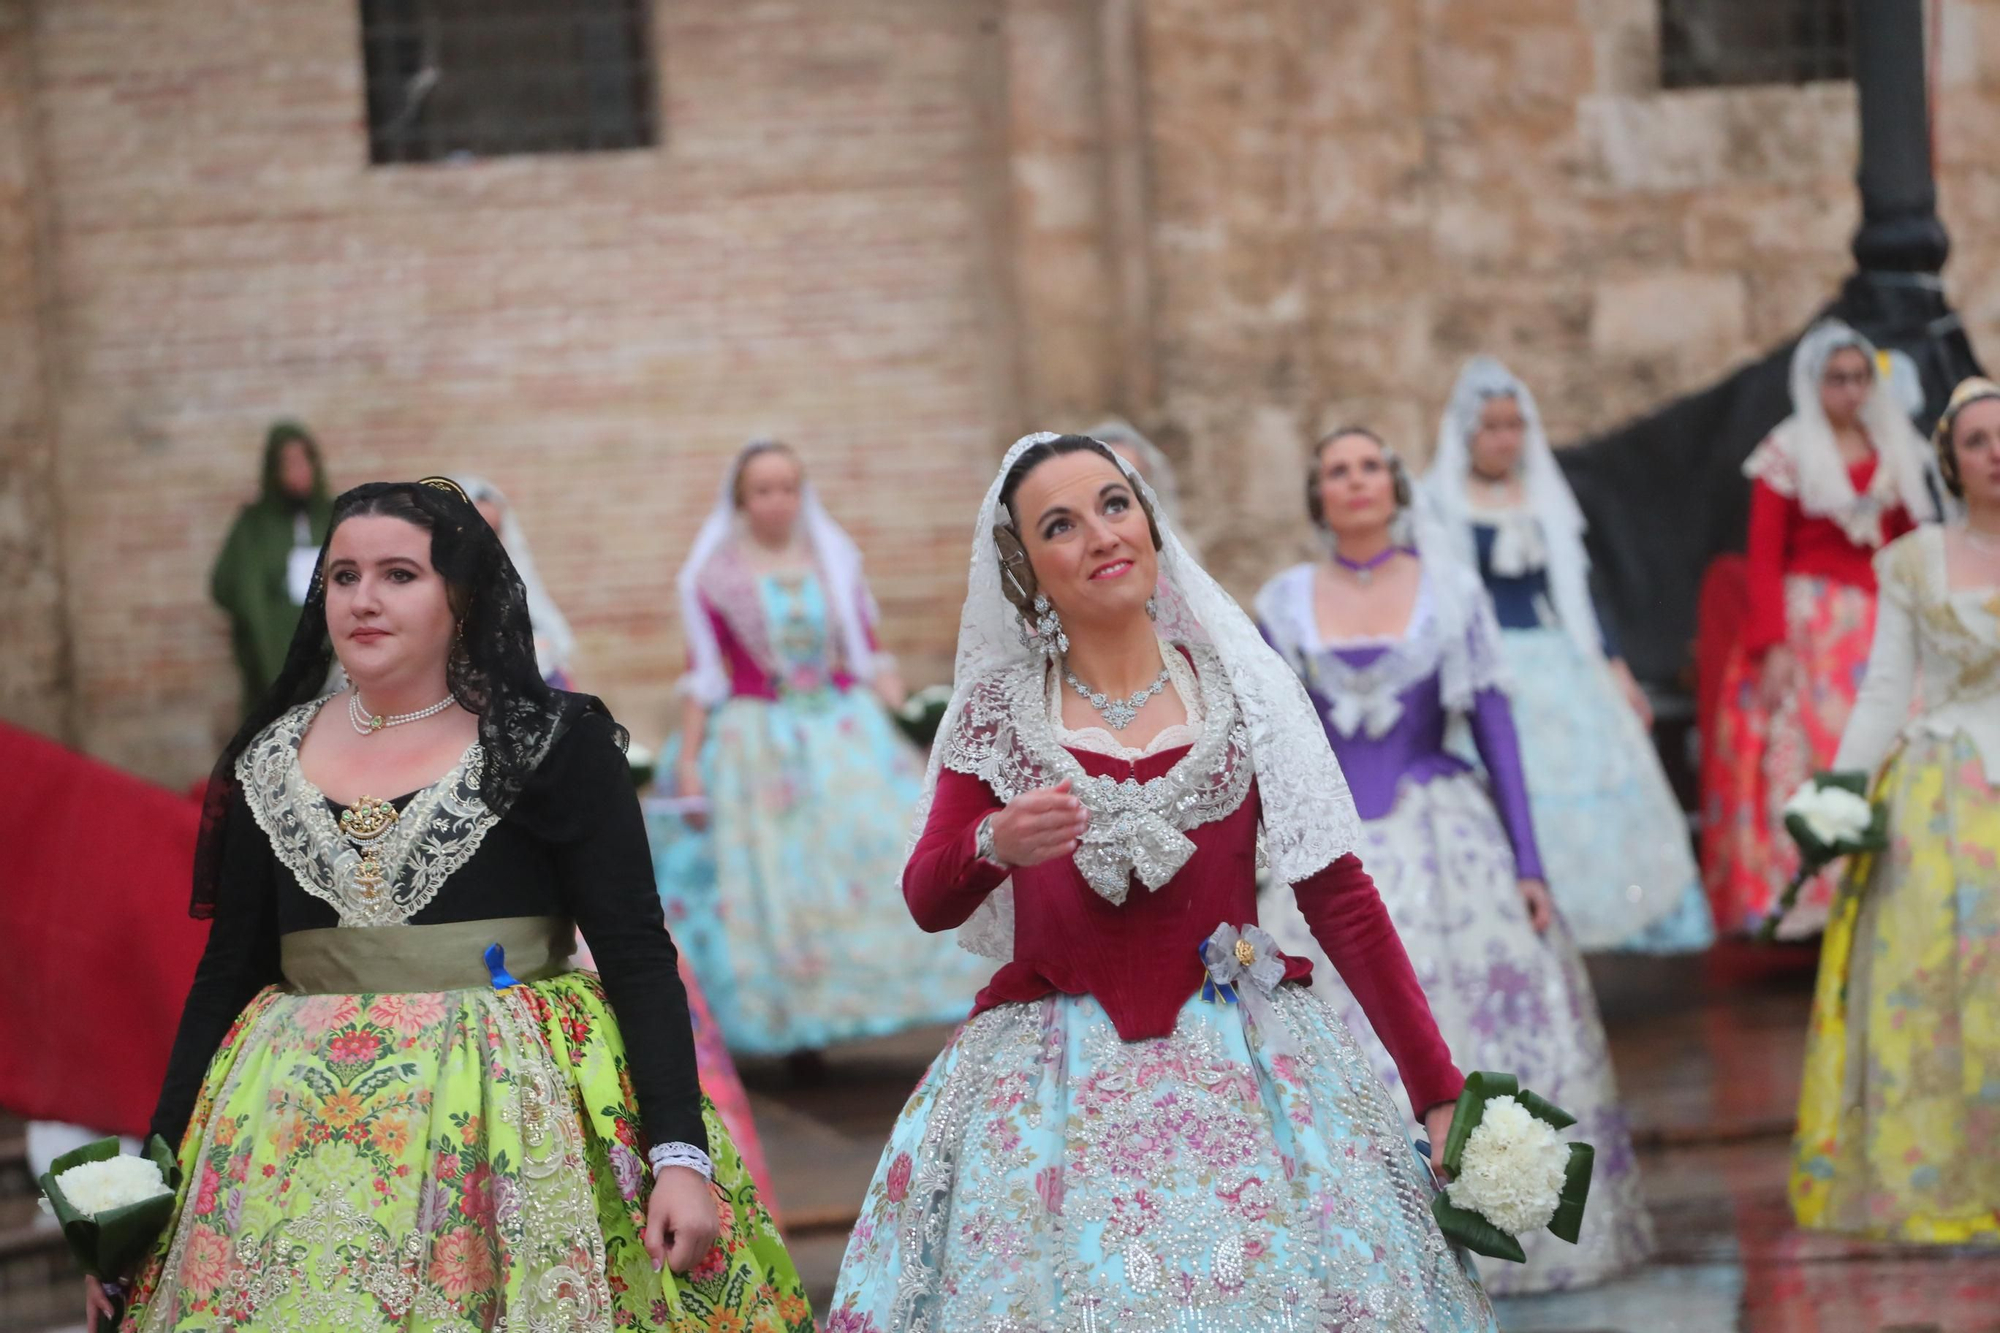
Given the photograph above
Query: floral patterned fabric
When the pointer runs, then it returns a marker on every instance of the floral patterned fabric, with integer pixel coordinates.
(1757, 758)
(1505, 999)
(440, 1160)
(1614, 842)
(1899, 1116)
(1048, 1176)
(787, 905)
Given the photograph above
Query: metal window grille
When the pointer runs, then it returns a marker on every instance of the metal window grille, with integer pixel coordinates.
(452, 80)
(1717, 43)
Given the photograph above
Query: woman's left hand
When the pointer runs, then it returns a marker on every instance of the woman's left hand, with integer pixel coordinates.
(1541, 907)
(1437, 1124)
(1635, 696)
(889, 689)
(681, 1221)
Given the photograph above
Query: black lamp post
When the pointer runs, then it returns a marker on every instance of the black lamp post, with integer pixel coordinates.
(1896, 295)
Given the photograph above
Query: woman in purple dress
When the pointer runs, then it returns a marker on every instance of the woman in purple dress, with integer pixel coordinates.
(1391, 646)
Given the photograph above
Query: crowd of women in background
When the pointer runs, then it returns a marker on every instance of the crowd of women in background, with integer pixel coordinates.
(1424, 745)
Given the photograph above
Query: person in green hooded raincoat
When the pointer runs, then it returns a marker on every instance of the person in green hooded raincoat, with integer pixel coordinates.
(265, 569)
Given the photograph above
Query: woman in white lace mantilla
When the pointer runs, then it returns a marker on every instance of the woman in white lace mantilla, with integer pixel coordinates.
(1614, 843)
(1392, 641)
(1149, 1122)
(1838, 479)
(1899, 1117)
(794, 785)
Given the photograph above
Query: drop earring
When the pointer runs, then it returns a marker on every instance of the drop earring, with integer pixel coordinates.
(1049, 636)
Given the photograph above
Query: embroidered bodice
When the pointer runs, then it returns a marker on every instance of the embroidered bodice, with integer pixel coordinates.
(1934, 645)
(1171, 854)
(390, 876)
(1386, 702)
(572, 846)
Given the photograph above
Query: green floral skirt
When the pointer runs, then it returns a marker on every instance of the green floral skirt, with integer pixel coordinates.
(462, 1159)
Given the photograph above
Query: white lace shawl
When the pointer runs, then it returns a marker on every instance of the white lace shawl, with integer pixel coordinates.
(1309, 817)
(555, 642)
(1801, 459)
(1550, 503)
(1452, 632)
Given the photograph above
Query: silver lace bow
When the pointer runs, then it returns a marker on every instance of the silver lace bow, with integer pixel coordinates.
(1127, 836)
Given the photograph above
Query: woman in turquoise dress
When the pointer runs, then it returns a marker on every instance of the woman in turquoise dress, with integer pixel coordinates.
(778, 860)
(1614, 841)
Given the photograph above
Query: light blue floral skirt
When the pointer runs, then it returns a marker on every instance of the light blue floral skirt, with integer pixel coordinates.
(1048, 1176)
(789, 904)
(1614, 842)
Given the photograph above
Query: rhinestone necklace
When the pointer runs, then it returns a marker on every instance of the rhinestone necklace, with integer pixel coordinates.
(1118, 712)
(369, 723)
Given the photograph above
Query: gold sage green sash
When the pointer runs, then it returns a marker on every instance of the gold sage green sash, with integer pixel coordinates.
(351, 960)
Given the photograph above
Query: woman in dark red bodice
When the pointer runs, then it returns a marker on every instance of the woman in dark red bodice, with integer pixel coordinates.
(1150, 1120)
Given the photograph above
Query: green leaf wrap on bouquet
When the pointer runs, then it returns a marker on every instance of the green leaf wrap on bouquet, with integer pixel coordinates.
(110, 1245)
(1568, 1221)
(1463, 1226)
(922, 713)
(1817, 853)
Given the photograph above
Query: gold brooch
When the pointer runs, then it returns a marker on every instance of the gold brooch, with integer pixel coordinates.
(368, 819)
(1246, 952)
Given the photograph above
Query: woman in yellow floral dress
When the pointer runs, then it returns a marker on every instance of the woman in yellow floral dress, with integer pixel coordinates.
(1899, 1120)
(398, 1103)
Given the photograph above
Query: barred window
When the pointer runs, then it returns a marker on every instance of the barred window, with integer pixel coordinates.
(451, 80)
(1714, 43)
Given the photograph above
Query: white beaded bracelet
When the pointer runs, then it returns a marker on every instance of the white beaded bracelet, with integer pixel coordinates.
(664, 1155)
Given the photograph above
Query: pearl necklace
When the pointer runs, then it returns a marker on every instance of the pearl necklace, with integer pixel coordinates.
(1118, 712)
(369, 723)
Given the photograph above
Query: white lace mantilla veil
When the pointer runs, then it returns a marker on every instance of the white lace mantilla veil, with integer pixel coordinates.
(555, 646)
(1801, 459)
(834, 554)
(1549, 498)
(1309, 818)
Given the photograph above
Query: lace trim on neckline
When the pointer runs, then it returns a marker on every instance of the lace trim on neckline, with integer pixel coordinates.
(1100, 740)
(1005, 739)
(437, 832)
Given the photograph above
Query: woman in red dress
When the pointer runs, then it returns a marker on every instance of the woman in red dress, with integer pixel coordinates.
(1837, 479)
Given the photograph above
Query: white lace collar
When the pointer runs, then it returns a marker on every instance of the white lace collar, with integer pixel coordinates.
(1100, 740)
(1137, 829)
(435, 834)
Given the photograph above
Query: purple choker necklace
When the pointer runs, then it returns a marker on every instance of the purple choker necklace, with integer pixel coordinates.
(1364, 570)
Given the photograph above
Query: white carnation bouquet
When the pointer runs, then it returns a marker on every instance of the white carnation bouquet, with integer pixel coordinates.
(1829, 816)
(1510, 1170)
(112, 1207)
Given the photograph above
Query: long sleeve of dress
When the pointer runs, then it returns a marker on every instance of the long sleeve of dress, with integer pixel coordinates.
(1770, 528)
(1883, 703)
(606, 879)
(241, 958)
(945, 881)
(1499, 746)
(1347, 917)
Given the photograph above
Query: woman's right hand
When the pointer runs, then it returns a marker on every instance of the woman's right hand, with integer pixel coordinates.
(688, 787)
(1039, 825)
(1778, 678)
(97, 1307)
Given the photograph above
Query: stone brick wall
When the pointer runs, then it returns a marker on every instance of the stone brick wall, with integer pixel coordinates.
(805, 255)
(33, 641)
(1351, 198)
(894, 231)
